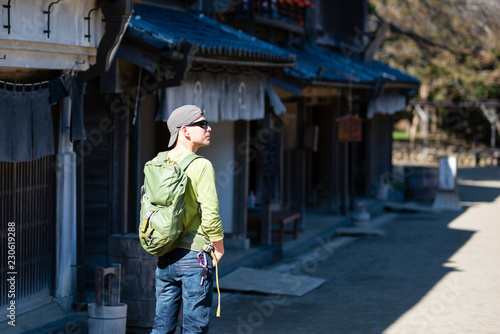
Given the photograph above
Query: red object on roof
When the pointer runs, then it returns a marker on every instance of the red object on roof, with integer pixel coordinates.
(297, 3)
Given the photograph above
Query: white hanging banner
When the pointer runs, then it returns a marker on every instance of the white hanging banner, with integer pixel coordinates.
(387, 104)
(224, 97)
(278, 106)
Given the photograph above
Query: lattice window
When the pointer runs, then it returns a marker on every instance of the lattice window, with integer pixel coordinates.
(27, 198)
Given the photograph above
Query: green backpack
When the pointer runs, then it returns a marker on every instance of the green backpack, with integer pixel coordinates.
(162, 204)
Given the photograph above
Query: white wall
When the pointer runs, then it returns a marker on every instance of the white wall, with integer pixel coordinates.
(28, 46)
(221, 154)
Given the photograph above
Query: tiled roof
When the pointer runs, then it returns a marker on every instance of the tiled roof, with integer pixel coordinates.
(164, 29)
(320, 64)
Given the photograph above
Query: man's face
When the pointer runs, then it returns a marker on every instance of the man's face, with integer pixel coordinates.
(199, 133)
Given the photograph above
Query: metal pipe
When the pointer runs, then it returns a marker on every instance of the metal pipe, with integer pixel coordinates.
(48, 17)
(88, 17)
(8, 26)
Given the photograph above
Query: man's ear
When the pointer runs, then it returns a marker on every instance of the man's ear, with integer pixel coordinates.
(185, 132)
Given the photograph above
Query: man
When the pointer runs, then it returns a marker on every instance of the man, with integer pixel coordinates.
(181, 273)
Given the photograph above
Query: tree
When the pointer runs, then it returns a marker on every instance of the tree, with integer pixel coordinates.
(451, 45)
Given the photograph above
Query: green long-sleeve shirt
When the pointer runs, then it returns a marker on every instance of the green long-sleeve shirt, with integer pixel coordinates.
(201, 194)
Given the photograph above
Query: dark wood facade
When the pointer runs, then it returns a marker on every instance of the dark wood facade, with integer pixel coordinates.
(106, 182)
(27, 213)
(311, 170)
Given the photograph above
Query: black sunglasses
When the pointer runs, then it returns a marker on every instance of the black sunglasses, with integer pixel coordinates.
(202, 124)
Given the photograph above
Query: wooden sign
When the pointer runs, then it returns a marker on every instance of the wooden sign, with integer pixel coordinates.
(350, 128)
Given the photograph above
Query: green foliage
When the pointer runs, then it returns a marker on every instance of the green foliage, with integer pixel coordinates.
(400, 135)
(452, 46)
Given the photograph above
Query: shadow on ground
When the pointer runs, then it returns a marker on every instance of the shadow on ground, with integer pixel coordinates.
(480, 173)
(481, 184)
(370, 283)
(477, 193)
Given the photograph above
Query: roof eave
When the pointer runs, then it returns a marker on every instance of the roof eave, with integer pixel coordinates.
(365, 85)
(231, 62)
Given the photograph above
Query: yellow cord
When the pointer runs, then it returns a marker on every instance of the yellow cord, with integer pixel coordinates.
(217, 282)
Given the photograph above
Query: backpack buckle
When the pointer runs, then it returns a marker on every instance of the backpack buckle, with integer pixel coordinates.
(208, 247)
(149, 213)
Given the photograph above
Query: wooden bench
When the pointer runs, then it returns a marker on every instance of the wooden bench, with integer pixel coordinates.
(280, 218)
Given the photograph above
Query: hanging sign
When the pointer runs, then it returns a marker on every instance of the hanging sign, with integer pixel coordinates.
(350, 128)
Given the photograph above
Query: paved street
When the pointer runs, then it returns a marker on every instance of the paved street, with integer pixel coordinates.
(429, 273)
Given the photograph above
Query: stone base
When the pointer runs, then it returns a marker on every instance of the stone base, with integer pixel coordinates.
(65, 302)
(231, 243)
(361, 219)
(447, 201)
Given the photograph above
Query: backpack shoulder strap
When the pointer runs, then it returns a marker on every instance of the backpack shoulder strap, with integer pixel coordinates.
(187, 161)
(162, 156)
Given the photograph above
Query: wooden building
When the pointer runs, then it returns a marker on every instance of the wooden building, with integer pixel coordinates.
(172, 56)
(335, 76)
(274, 77)
(49, 50)
(273, 106)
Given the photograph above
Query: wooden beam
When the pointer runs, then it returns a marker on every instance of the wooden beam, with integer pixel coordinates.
(375, 43)
(138, 55)
(269, 22)
(461, 104)
(314, 91)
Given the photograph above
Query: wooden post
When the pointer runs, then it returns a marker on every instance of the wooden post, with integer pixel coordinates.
(114, 284)
(240, 204)
(251, 17)
(265, 233)
(345, 183)
(352, 172)
(119, 183)
(136, 168)
(491, 115)
(350, 130)
(99, 285)
(334, 158)
(114, 273)
(300, 161)
(413, 129)
(80, 224)
(268, 175)
(424, 116)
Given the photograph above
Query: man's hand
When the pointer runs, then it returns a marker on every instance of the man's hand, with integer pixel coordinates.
(218, 250)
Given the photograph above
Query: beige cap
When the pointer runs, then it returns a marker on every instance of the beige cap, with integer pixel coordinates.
(182, 116)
